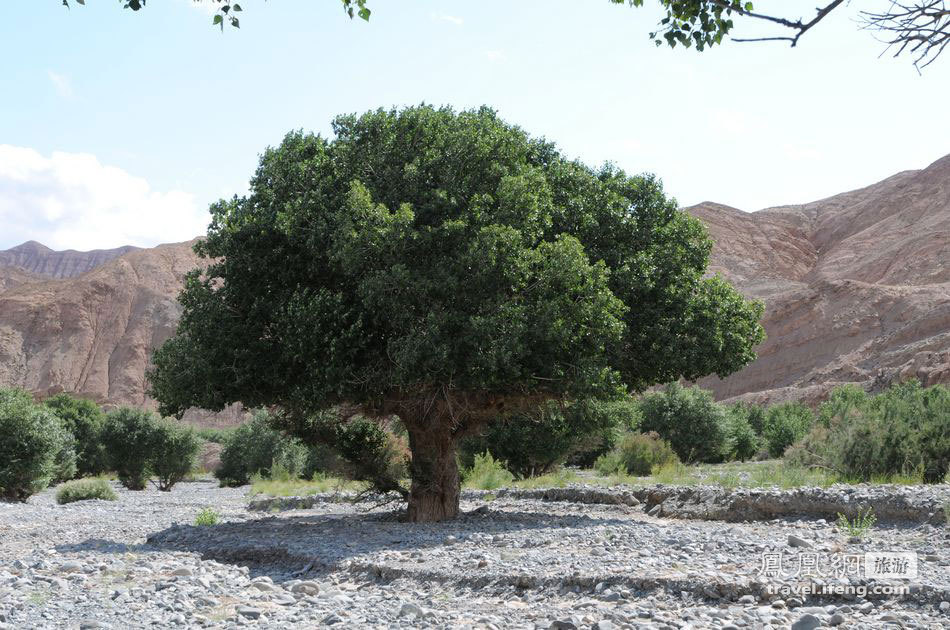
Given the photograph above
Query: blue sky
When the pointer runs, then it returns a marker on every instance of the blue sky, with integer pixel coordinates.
(119, 127)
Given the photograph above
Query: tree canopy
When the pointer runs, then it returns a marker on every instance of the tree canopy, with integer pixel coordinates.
(447, 268)
(919, 28)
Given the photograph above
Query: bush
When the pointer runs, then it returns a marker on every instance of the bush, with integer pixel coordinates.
(904, 431)
(174, 452)
(844, 402)
(487, 473)
(83, 419)
(207, 517)
(85, 489)
(537, 443)
(128, 436)
(637, 454)
(786, 424)
(689, 419)
(214, 435)
(254, 448)
(35, 448)
(742, 439)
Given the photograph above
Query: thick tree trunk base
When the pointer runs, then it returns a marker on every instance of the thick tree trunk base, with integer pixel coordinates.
(434, 494)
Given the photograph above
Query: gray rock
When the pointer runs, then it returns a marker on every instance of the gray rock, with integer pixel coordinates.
(944, 606)
(182, 572)
(409, 608)
(795, 541)
(836, 619)
(249, 612)
(747, 599)
(306, 588)
(70, 567)
(806, 622)
(604, 624)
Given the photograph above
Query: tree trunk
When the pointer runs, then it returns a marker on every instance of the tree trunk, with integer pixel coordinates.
(435, 489)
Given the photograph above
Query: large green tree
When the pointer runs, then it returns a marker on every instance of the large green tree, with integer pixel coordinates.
(449, 269)
(918, 28)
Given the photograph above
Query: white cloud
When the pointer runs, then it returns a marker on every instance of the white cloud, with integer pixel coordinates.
(73, 201)
(445, 17)
(61, 84)
(494, 55)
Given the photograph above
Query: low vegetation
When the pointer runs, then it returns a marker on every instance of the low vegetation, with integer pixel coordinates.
(486, 473)
(637, 454)
(35, 447)
(84, 490)
(899, 436)
(859, 526)
(689, 419)
(174, 451)
(207, 517)
(903, 432)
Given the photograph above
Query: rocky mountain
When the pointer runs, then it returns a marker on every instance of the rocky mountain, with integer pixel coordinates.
(91, 334)
(39, 259)
(856, 287)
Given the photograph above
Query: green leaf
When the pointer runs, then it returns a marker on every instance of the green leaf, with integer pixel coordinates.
(237, 7)
(748, 6)
(217, 20)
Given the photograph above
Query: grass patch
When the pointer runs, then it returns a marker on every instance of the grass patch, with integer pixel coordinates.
(859, 526)
(557, 479)
(84, 490)
(207, 517)
(301, 487)
(486, 473)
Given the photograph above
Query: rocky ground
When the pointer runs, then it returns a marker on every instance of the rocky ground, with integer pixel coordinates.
(566, 559)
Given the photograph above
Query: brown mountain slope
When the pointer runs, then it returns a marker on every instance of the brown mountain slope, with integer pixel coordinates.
(39, 259)
(857, 289)
(856, 286)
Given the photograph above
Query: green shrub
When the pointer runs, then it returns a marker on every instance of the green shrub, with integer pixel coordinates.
(35, 448)
(638, 454)
(83, 419)
(254, 448)
(85, 489)
(207, 517)
(844, 402)
(487, 473)
(537, 443)
(786, 424)
(128, 436)
(174, 452)
(743, 442)
(901, 432)
(214, 435)
(689, 419)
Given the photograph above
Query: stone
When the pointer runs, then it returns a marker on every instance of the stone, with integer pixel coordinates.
(944, 606)
(409, 608)
(604, 624)
(71, 567)
(836, 619)
(249, 612)
(306, 588)
(795, 541)
(182, 572)
(747, 599)
(806, 622)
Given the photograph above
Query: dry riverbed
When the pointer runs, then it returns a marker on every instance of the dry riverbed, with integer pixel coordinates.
(568, 558)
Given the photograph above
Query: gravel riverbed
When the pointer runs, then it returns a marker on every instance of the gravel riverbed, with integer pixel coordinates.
(513, 560)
